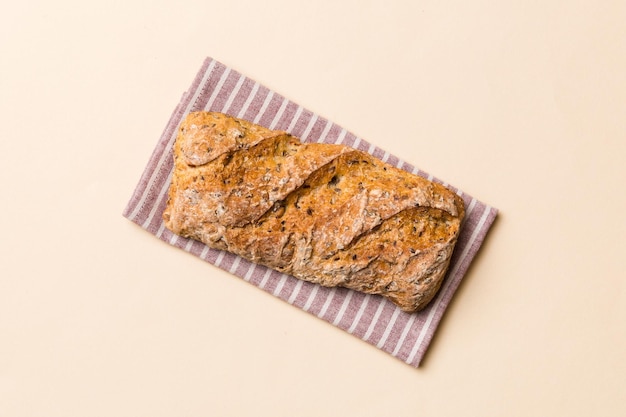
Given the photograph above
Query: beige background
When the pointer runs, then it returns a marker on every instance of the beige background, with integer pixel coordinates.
(519, 103)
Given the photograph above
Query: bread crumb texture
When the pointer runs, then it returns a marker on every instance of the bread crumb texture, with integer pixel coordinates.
(327, 214)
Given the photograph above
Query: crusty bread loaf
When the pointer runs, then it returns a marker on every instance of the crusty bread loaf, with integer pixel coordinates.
(323, 213)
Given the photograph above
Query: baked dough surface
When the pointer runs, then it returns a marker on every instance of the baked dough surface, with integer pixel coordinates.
(323, 213)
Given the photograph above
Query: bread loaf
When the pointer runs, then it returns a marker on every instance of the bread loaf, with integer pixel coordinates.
(326, 214)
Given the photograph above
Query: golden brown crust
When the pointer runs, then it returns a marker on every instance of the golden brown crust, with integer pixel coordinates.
(323, 213)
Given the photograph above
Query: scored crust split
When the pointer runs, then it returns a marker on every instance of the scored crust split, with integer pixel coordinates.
(327, 214)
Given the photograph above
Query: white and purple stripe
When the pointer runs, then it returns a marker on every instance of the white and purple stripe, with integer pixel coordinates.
(371, 318)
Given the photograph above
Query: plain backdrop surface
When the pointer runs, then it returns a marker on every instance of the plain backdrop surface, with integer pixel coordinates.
(521, 104)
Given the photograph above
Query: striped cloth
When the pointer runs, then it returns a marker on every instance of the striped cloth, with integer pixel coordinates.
(375, 320)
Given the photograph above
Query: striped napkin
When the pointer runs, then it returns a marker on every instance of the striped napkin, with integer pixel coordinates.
(375, 320)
